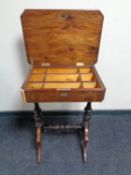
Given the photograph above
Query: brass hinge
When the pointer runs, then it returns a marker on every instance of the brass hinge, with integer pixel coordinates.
(31, 60)
(63, 89)
(80, 64)
(23, 95)
(45, 64)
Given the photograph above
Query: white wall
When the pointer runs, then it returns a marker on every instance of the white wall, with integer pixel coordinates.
(114, 65)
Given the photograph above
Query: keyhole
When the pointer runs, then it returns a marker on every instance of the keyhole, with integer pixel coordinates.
(67, 16)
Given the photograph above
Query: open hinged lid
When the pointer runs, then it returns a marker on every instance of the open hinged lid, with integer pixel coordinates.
(62, 37)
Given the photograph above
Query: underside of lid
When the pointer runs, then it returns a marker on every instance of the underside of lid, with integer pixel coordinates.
(62, 37)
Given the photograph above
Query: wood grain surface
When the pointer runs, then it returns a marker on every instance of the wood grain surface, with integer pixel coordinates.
(62, 37)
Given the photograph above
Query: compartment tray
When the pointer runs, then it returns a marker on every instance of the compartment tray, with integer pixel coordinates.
(48, 84)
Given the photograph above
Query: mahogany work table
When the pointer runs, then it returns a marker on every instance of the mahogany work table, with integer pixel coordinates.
(62, 48)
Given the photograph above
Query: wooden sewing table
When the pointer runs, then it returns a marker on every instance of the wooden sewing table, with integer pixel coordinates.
(62, 48)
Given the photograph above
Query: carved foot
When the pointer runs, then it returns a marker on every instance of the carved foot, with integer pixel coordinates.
(85, 124)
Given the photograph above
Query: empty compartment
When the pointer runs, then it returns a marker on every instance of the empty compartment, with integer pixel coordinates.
(38, 70)
(86, 77)
(89, 85)
(84, 70)
(61, 85)
(62, 70)
(64, 77)
(34, 85)
(36, 77)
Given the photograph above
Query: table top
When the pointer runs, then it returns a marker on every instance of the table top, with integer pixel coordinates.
(62, 37)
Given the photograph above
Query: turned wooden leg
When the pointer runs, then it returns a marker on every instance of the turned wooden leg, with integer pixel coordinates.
(38, 124)
(85, 124)
(85, 141)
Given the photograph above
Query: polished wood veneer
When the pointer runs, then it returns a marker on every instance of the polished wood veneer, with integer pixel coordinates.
(62, 36)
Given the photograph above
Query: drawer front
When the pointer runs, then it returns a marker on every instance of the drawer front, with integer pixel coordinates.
(64, 96)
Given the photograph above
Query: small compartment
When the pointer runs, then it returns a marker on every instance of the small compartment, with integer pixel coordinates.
(84, 70)
(58, 77)
(62, 70)
(89, 85)
(38, 70)
(87, 77)
(81, 85)
(34, 85)
(36, 77)
(61, 85)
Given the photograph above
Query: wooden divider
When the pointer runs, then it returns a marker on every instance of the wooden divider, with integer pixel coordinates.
(59, 78)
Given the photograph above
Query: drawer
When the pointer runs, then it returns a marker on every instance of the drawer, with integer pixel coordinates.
(65, 96)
